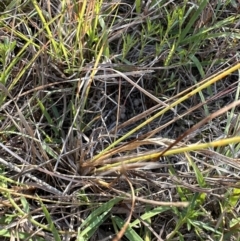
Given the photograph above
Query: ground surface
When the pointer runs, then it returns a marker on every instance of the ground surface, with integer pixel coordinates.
(119, 120)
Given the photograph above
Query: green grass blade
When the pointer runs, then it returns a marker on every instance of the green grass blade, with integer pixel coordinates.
(130, 233)
(52, 227)
(149, 214)
(192, 20)
(7, 233)
(198, 173)
(96, 217)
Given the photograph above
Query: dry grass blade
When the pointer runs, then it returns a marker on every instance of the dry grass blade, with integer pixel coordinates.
(41, 152)
(125, 226)
(143, 90)
(151, 202)
(201, 123)
(180, 100)
(233, 162)
(39, 183)
(104, 120)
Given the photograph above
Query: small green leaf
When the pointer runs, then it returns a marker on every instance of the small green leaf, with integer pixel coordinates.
(25, 204)
(234, 197)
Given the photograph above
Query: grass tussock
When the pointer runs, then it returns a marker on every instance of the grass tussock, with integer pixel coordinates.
(119, 120)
